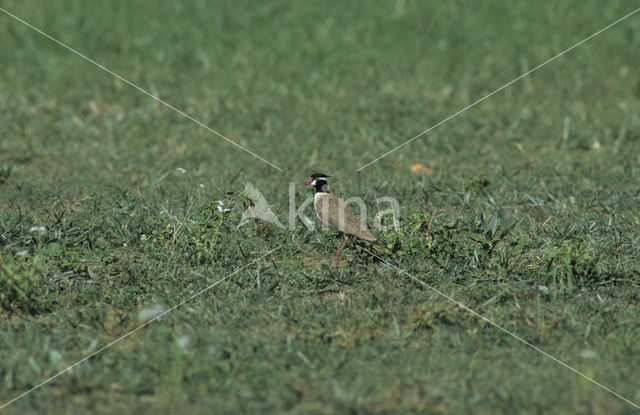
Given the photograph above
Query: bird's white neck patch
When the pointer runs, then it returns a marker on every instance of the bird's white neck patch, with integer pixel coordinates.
(320, 195)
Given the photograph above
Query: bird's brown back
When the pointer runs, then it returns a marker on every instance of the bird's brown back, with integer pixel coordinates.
(337, 214)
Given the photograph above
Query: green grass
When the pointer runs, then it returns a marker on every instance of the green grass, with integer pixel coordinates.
(529, 216)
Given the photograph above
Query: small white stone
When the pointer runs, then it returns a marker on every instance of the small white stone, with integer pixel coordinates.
(151, 311)
(183, 341)
(55, 357)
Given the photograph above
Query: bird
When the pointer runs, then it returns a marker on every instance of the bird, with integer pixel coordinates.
(337, 214)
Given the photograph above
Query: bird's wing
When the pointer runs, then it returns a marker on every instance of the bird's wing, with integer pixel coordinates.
(336, 213)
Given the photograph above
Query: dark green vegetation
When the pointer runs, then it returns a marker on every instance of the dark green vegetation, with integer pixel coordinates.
(528, 210)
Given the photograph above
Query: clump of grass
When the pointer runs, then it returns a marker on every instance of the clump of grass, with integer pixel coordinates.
(20, 284)
(475, 184)
(571, 263)
(446, 239)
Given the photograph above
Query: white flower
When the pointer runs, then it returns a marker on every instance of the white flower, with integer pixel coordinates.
(38, 229)
(221, 207)
(201, 185)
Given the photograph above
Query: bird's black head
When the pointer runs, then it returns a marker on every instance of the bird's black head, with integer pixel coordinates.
(319, 181)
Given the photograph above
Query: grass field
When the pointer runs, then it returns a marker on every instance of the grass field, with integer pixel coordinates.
(526, 209)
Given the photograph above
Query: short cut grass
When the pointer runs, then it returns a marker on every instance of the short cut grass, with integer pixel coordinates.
(525, 208)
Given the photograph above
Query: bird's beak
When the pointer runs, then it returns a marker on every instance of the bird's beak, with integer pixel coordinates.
(309, 181)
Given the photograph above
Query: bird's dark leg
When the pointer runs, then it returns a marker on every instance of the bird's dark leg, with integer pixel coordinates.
(340, 247)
